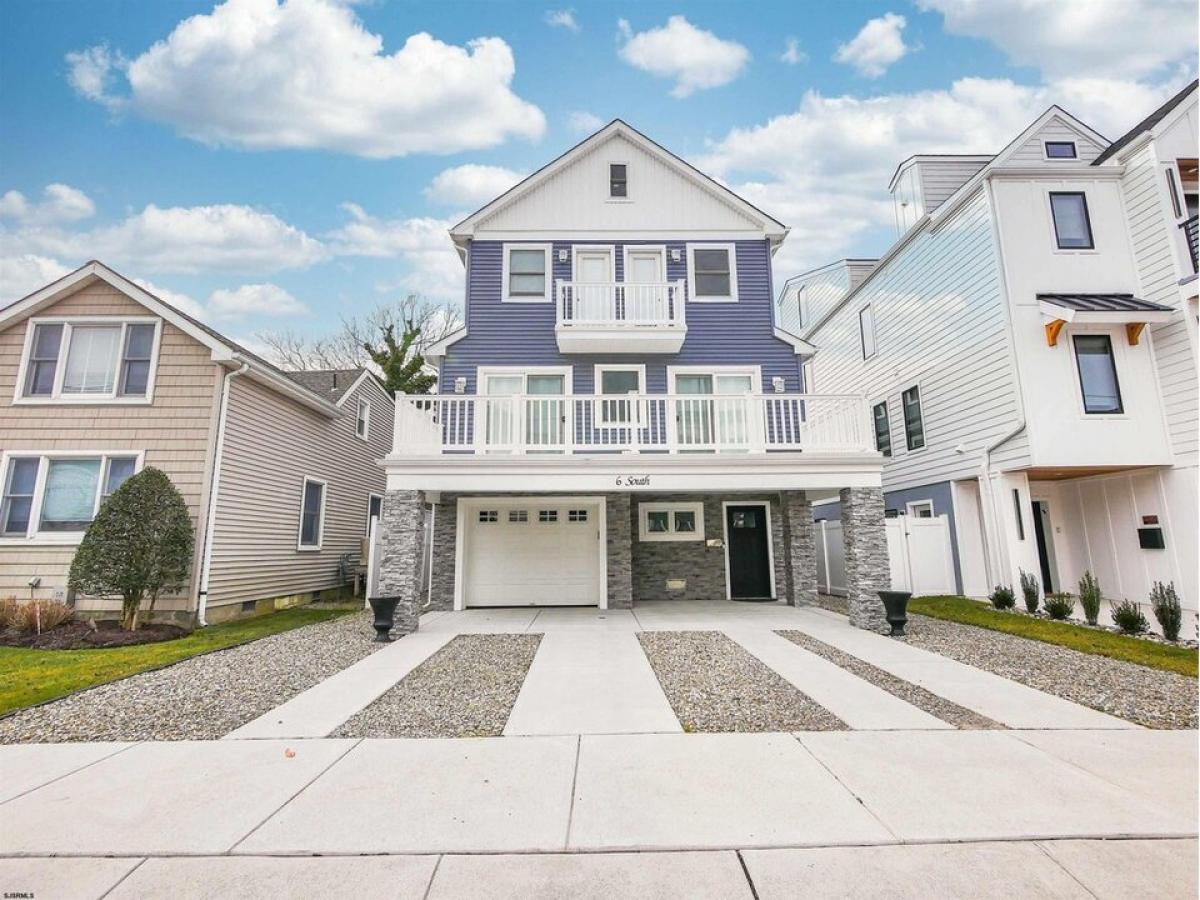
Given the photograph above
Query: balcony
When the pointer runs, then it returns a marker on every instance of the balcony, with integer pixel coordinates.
(659, 424)
(620, 317)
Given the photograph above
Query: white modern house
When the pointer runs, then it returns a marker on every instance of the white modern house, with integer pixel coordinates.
(1029, 349)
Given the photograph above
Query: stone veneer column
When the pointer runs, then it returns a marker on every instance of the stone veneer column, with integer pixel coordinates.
(864, 534)
(620, 551)
(802, 548)
(402, 534)
(445, 535)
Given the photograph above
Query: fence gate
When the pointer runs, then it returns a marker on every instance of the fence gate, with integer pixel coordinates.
(919, 556)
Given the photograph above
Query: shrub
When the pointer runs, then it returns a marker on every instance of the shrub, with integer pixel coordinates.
(1059, 606)
(1089, 597)
(9, 607)
(1165, 603)
(1128, 617)
(1030, 590)
(1002, 597)
(37, 616)
(138, 546)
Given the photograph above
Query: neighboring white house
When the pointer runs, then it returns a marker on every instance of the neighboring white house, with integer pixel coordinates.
(1029, 349)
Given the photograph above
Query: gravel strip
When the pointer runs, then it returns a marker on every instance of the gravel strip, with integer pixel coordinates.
(1147, 696)
(466, 689)
(714, 684)
(948, 712)
(202, 698)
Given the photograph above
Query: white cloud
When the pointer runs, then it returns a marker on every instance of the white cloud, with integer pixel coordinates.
(24, 274)
(695, 58)
(181, 302)
(255, 300)
(876, 46)
(792, 54)
(584, 122)
(61, 203)
(222, 237)
(1114, 39)
(434, 268)
(562, 18)
(470, 185)
(306, 74)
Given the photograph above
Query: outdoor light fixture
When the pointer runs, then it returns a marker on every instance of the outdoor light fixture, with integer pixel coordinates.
(675, 255)
(460, 385)
(777, 384)
(562, 255)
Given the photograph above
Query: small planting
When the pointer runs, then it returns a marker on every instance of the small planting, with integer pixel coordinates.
(1059, 606)
(1002, 597)
(38, 616)
(1089, 597)
(1129, 618)
(1165, 603)
(1030, 590)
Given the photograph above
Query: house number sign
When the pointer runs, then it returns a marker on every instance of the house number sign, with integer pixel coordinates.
(633, 481)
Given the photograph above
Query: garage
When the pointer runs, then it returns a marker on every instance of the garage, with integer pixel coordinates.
(531, 551)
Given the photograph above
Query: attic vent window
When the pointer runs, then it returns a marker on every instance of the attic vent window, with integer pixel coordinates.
(618, 185)
(1061, 150)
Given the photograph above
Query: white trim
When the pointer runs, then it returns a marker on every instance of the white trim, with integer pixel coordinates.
(481, 372)
(548, 290)
(467, 505)
(862, 332)
(364, 376)
(732, 296)
(609, 249)
(754, 371)
(912, 508)
(627, 249)
(111, 398)
(210, 519)
(310, 548)
(33, 534)
(371, 495)
(364, 407)
(766, 505)
(670, 535)
(597, 389)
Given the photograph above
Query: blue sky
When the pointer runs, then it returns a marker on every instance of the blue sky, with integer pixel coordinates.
(274, 165)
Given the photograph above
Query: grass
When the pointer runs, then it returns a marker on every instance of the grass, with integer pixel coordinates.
(1180, 660)
(35, 676)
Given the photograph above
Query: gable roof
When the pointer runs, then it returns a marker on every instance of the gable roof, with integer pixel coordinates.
(334, 385)
(1145, 125)
(224, 351)
(776, 231)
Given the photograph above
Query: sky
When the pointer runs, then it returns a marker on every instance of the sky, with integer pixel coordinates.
(275, 165)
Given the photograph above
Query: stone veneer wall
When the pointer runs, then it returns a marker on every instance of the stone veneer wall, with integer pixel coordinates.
(620, 560)
(445, 526)
(402, 540)
(802, 547)
(864, 534)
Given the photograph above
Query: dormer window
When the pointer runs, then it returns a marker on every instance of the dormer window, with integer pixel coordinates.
(618, 183)
(1061, 150)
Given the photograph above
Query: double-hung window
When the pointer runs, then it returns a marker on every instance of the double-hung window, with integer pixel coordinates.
(618, 181)
(312, 514)
(1098, 374)
(712, 272)
(1072, 226)
(58, 494)
(883, 431)
(914, 425)
(89, 360)
(526, 273)
(362, 419)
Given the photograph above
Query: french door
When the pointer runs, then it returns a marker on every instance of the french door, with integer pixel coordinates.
(645, 291)
(594, 293)
(718, 416)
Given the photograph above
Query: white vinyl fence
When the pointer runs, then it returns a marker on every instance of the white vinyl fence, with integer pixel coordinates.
(918, 551)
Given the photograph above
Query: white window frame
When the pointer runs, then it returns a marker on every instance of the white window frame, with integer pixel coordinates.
(363, 414)
(598, 370)
(628, 198)
(1059, 159)
(691, 273)
(370, 496)
(113, 397)
(300, 545)
(548, 250)
(33, 534)
(866, 325)
(482, 373)
(755, 373)
(670, 536)
(610, 249)
(809, 375)
(913, 507)
(628, 249)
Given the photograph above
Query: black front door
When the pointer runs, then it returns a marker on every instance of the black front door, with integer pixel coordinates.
(1039, 529)
(749, 560)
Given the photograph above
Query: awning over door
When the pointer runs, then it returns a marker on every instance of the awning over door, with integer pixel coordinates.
(1100, 309)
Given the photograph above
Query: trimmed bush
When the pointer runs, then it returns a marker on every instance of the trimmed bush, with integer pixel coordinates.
(37, 616)
(1089, 597)
(1128, 616)
(1030, 590)
(1002, 597)
(138, 546)
(1059, 606)
(1165, 603)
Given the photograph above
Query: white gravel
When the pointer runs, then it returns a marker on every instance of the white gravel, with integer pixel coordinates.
(204, 697)
(714, 684)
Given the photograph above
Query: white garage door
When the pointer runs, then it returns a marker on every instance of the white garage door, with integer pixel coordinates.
(534, 552)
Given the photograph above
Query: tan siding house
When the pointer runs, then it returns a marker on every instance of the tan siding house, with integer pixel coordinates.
(202, 409)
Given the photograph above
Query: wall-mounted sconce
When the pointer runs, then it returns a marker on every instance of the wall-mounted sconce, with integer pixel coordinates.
(562, 255)
(675, 254)
(777, 384)
(460, 385)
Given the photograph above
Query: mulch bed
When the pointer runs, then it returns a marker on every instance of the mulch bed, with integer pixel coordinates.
(83, 636)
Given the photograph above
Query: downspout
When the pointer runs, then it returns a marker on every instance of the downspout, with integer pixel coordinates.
(214, 489)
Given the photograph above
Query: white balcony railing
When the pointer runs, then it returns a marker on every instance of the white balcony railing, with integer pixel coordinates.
(673, 423)
(620, 304)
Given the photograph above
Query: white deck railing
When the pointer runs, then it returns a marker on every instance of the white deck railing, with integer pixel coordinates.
(674, 423)
(620, 304)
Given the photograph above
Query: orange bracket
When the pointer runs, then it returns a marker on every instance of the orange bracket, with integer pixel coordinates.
(1053, 327)
(1133, 331)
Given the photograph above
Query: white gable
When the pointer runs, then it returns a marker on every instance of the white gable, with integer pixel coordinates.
(1056, 127)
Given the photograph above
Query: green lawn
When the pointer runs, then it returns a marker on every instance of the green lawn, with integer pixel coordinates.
(1086, 640)
(33, 676)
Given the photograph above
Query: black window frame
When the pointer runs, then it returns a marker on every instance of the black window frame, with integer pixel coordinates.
(1087, 221)
(1112, 361)
(1071, 144)
(618, 182)
(883, 439)
(914, 426)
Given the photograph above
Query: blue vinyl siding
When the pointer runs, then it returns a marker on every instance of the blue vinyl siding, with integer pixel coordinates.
(522, 334)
